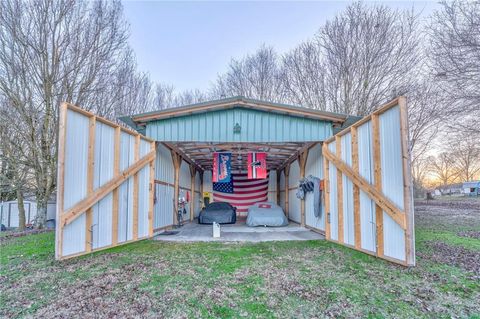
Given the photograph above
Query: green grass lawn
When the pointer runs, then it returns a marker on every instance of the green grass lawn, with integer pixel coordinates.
(265, 280)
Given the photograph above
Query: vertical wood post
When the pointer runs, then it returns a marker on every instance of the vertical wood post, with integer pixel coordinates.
(302, 161)
(377, 173)
(62, 125)
(338, 146)
(279, 175)
(356, 190)
(201, 186)
(116, 171)
(176, 165)
(287, 172)
(135, 189)
(407, 184)
(326, 193)
(90, 177)
(193, 172)
(151, 193)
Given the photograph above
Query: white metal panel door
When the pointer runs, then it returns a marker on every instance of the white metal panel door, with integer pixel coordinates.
(105, 184)
(369, 188)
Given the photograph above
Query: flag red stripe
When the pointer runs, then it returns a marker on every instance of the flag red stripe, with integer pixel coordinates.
(234, 198)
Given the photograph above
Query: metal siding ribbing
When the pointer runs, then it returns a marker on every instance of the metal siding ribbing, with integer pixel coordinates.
(256, 126)
(163, 210)
(103, 172)
(392, 180)
(125, 191)
(348, 221)
(164, 171)
(333, 195)
(314, 167)
(185, 184)
(367, 205)
(293, 202)
(75, 187)
(143, 192)
(207, 182)
(272, 186)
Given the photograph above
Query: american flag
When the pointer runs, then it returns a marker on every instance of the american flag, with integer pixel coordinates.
(241, 192)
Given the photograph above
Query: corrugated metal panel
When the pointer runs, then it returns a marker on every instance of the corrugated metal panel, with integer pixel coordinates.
(256, 126)
(125, 191)
(164, 170)
(103, 172)
(184, 176)
(367, 206)
(314, 167)
(272, 186)
(207, 182)
(392, 180)
(163, 209)
(143, 201)
(293, 202)
(333, 195)
(75, 187)
(348, 219)
(198, 197)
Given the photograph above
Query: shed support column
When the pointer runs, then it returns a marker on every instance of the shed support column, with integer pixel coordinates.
(177, 160)
(279, 172)
(302, 161)
(287, 172)
(193, 172)
(201, 187)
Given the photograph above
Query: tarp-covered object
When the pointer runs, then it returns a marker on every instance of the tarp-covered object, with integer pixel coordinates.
(219, 212)
(266, 214)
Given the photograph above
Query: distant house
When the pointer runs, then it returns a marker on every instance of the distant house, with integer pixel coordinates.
(471, 188)
(450, 189)
(9, 212)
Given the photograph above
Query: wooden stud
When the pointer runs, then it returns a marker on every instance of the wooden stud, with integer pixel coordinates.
(201, 187)
(287, 172)
(302, 162)
(407, 184)
(116, 172)
(326, 193)
(356, 190)
(90, 179)
(177, 161)
(151, 192)
(377, 174)
(193, 172)
(279, 175)
(62, 128)
(338, 146)
(135, 190)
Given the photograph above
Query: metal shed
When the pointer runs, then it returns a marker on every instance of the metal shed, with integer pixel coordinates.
(130, 178)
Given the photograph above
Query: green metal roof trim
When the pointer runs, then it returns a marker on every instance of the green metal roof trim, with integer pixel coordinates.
(253, 126)
(238, 101)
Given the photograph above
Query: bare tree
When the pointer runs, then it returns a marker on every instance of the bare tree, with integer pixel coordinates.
(369, 53)
(443, 167)
(53, 51)
(465, 151)
(303, 76)
(255, 76)
(455, 58)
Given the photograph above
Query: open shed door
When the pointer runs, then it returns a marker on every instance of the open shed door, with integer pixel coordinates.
(369, 190)
(105, 184)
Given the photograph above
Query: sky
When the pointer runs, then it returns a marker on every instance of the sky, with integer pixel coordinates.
(187, 44)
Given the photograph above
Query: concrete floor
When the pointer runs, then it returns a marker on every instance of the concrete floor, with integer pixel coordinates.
(194, 232)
